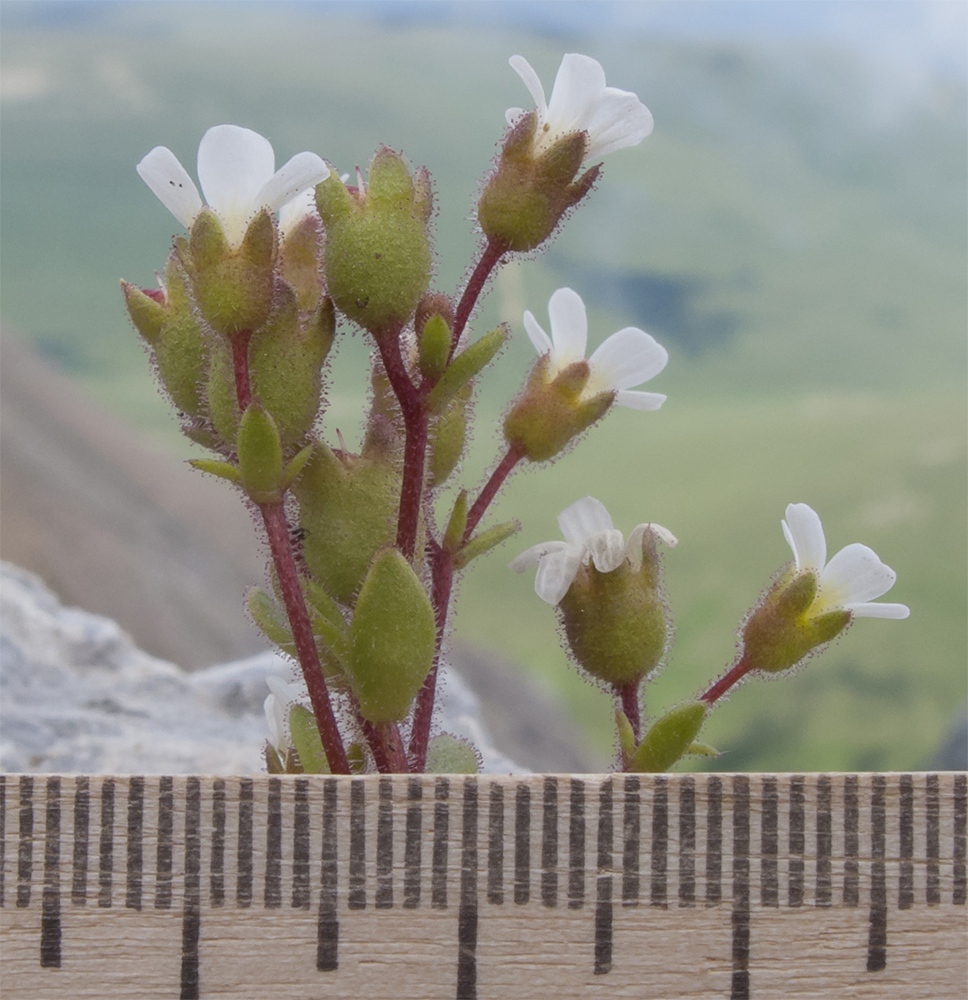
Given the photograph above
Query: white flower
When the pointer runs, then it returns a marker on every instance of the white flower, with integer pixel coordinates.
(852, 578)
(589, 536)
(629, 357)
(237, 172)
(580, 102)
(277, 704)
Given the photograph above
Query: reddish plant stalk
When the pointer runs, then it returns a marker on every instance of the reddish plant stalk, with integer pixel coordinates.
(493, 251)
(629, 696)
(731, 677)
(415, 422)
(277, 530)
(280, 545)
(442, 572)
(491, 488)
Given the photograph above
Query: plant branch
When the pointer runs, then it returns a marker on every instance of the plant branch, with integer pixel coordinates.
(491, 488)
(629, 695)
(493, 251)
(277, 530)
(735, 674)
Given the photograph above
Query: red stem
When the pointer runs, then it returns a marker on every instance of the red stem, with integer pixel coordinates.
(280, 545)
(493, 251)
(277, 530)
(629, 694)
(493, 484)
(442, 571)
(415, 422)
(732, 676)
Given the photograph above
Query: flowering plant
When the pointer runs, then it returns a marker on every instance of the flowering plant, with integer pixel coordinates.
(362, 575)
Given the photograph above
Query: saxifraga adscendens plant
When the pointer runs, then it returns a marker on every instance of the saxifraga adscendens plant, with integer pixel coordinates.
(361, 582)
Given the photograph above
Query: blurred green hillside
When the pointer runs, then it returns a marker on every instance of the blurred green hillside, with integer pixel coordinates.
(794, 232)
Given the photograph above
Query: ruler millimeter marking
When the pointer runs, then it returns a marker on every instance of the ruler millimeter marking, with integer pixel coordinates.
(485, 886)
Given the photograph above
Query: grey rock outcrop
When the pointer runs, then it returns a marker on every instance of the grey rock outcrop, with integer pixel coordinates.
(79, 696)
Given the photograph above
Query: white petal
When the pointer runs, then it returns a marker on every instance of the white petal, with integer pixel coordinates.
(627, 358)
(556, 574)
(304, 170)
(293, 212)
(523, 68)
(804, 533)
(879, 610)
(512, 115)
(234, 164)
(634, 547)
(578, 90)
(541, 340)
(856, 575)
(169, 180)
(276, 716)
(569, 327)
(620, 120)
(639, 400)
(607, 549)
(582, 519)
(533, 556)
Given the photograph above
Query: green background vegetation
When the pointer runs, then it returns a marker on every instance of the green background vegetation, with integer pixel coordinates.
(794, 232)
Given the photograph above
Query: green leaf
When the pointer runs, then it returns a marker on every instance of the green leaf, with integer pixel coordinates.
(485, 541)
(306, 740)
(669, 738)
(626, 736)
(448, 754)
(466, 366)
(215, 468)
(392, 639)
(260, 455)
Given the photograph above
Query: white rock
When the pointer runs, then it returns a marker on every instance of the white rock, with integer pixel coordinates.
(79, 696)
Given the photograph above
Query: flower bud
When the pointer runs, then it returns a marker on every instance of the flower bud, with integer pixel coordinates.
(615, 622)
(527, 195)
(392, 639)
(780, 632)
(233, 287)
(347, 509)
(551, 412)
(167, 321)
(377, 258)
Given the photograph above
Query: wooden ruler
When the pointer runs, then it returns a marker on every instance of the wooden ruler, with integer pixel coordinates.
(493, 887)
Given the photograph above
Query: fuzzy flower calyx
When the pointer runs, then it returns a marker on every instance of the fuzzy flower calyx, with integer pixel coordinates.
(611, 119)
(566, 392)
(608, 592)
(236, 170)
(815, 600)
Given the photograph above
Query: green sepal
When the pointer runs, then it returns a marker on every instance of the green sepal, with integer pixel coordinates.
(306, 740)
(434, 347)
(669, 739)
(221, 469)
(448, 754)
(626, 737)
(466, 366)
(485, 541)
(296, 465)
(392, 639)
(454, 534)
(260, 455)
(147, 313)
